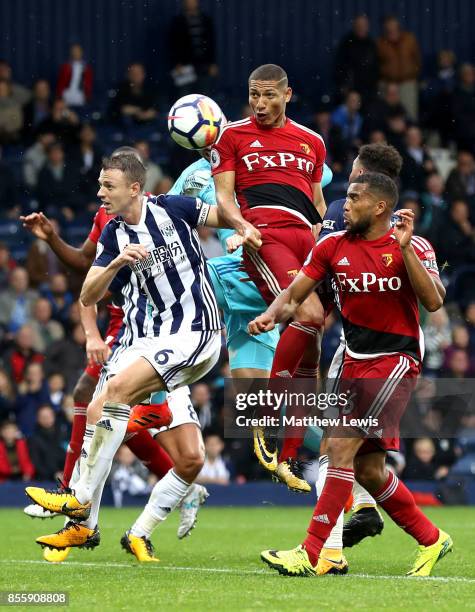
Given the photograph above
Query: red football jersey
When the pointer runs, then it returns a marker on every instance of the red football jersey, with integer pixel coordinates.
(101, 219)
(275, 169)
(379, 307)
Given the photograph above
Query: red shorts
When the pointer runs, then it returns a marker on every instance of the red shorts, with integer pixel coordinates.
(115, 323)
(278, 261)
(381, 389)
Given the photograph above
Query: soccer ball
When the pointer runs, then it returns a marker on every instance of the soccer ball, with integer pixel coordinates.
(195, 121)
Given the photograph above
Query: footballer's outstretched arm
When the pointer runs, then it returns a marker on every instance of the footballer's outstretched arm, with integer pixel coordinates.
(229, 213)
(77, 259)
(285, 305)
(98, 279)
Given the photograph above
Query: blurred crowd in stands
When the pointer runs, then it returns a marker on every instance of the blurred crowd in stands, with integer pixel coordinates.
(52, 139)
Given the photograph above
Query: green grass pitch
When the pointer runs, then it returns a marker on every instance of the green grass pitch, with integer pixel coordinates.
(218, 567)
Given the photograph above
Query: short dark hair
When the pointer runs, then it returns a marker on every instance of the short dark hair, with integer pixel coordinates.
(381, 185)
(380, 158)
(126, 150)
(269, 72)
(130, 165)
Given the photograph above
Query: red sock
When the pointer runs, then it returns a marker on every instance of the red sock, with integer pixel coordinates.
(399, 503)
(294, 436)
(291, 347)
(150, 453)
(75, 443)
(331, 502)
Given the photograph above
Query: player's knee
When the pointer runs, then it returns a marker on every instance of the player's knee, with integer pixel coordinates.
(118, 390)
(371, 476)
(190, 463)
(341, 451)
(83, 391)
(311, 312)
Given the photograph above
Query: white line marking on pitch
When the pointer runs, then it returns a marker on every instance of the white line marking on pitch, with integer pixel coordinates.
(218, 570)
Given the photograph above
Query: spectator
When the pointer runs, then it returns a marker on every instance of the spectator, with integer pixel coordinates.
(357, 64)
(470, 319)
(58, 182)
(458, 365)
(433, 197)
(417, 163)
(201, 400)
(59, 297)
(192, 48)
(154, 174)
(437, 96)
(8, 189)
(423, 217)
(62, 122)
(214, 470)
(134, 101)
(396, 127)
(128, 476)
(348, 118)
(209, 242)
(11, 117)
(7, 396)
(56, 387)
(75, 79)
(19, 93)
(35, 158)
(87, 158)
(67, 356)
(400, 62)
(463, 108)
(45, 329)
(457, 237)
(437, 338)
(386, 106)
(421, 464)
(47, 446)
(461, 181)
(32, 393)
(16, 302)
(331, 134)
(15, 462)
(37, 109)
(7, 265)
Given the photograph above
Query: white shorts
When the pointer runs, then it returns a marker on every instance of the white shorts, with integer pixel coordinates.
(182, 410)
(179, 359)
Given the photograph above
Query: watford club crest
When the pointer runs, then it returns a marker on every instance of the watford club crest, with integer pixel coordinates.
(305, 148)
(387, 259)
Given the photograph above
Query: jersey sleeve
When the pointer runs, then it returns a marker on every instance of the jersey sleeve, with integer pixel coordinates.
(333, 220)
(107, 248)
(319, 161)
(192, 210)
(95, 232)
(223, 158)
(317, 265)
(425, 251)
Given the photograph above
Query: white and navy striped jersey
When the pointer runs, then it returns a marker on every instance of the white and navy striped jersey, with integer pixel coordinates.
(170, 291)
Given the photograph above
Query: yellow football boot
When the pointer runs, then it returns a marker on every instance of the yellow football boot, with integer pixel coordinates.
(140, 547)
(428, 556)
(72, 535)
(293, 562)
(53, 555)
(61, 501)
(289, 473)
(331, 561)
(266, 456)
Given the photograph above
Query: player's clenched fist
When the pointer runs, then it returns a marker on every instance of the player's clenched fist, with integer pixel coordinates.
(251, 238)
(404, 228)
(130, 254)
(261, 324)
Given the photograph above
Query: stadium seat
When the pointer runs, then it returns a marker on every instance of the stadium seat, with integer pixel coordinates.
(464, 466)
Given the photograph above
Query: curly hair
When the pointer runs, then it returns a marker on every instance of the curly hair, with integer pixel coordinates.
(380, 158)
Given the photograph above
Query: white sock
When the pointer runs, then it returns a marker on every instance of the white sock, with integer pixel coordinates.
(108, 436)
(165, 497)
(93, 518)
(85, 449)
(361, 497)
(335, 539)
